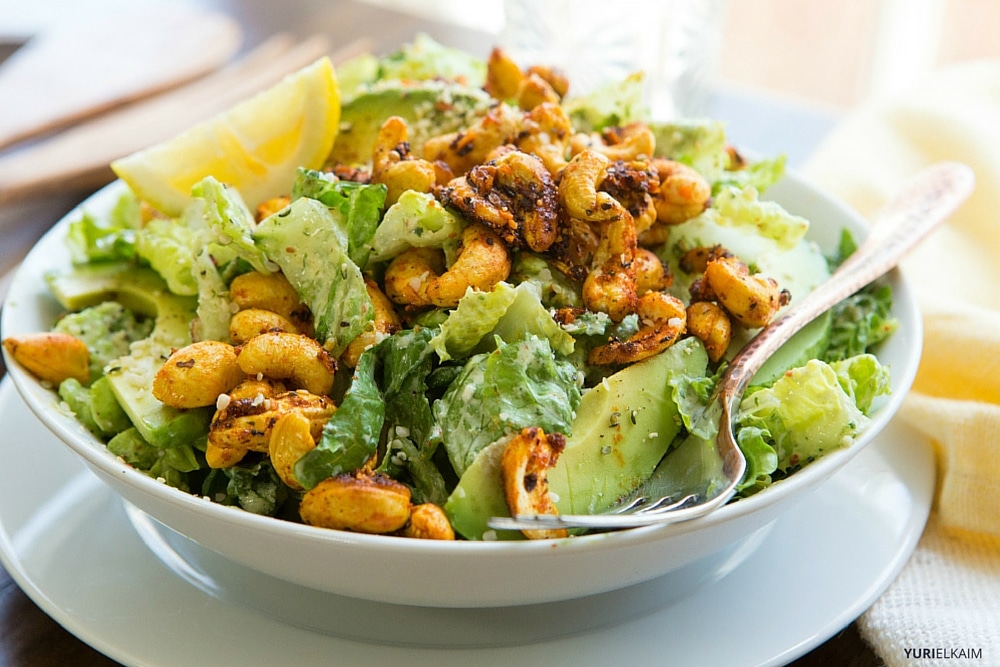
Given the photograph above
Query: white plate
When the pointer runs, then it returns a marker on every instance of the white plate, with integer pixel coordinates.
(74, 547)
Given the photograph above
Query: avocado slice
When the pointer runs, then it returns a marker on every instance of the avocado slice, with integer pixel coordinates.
(430, 108)
(131, 377)
(623, 428)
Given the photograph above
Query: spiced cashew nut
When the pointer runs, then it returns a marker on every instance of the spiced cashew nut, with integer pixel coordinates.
(524, 469)
(288, 356)
(417, 276)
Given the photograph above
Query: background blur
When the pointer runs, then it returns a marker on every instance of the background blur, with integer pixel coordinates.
(831, 53)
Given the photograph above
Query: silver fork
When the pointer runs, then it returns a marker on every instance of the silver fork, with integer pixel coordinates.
(674, 494)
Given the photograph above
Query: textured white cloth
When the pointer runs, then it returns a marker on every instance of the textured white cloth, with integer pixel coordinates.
(944, 609)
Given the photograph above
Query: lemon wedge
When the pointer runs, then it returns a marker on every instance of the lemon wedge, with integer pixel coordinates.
(256, 146)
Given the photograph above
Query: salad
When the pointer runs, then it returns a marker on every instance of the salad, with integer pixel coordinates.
(493, 297)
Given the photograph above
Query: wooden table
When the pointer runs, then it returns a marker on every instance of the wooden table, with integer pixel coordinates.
(28, 637)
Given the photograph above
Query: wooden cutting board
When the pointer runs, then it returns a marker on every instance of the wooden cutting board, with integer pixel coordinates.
(72, 72)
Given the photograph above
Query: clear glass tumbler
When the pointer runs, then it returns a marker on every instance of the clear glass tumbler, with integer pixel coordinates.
(675, 42)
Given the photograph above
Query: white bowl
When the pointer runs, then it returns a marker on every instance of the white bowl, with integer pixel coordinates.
(462, 574)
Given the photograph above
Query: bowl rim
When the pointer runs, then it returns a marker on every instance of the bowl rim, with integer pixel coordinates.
(41, 399)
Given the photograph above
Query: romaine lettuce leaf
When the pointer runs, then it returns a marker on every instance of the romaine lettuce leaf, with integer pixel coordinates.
(555, 289)
(700, 144)
(517, 385)
(352, 433)
(167, 245)
(407, 362)
(94, 238)
(306, 242)
(743, 207)
(230, 224)
(356, 206)
(506, 312)
(424, 58)
(807, 412)
(614, 104)
(863, 378)
(860, 322)
(417, 219)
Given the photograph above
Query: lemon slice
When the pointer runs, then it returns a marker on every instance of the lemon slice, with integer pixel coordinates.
(256, 146)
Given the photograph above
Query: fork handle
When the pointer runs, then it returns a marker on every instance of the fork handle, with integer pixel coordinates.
(926, 201)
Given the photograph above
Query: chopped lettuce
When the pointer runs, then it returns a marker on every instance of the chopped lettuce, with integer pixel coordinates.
(614, 104)
(407, 362)
(807, 412)
(230, 224)
(388, 394)
(555, 289)
(254, 487)
(352, 433)
(358, 207)
(863, 378)
(702, 144)
(759, 175)
(417, 219)
(424, 58)
(167, 246)
(860, 322)
(517, 385)
(94, 238)
(506, 313)
(307, 243)
(743, 207)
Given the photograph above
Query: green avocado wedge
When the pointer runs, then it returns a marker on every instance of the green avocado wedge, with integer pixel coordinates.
(623, 428)
(429, 108)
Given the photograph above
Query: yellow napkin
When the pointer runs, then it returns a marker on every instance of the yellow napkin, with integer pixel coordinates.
(947, 599)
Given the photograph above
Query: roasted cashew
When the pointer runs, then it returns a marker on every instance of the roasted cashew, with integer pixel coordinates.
(428, 522)
(513, 194)
(663, 319)
(524, 469)
(270, 291)
(535, 90)
(416, 277)
(545, 133)
(555, 77)
(362, 502)
(195, 375)
(245, 424)
(246, 324)
(650, 273)
(51, 356)
(631, 183)
(291, 439)
(288, 356)
(683, 192)
(506, 81)
(610, 286)
(395, 167)
(696, 260)
(634, 141)
(386, 323)
(503, 75)
(466, 148)
(579, 190)
(710, 324)
(751, 299)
